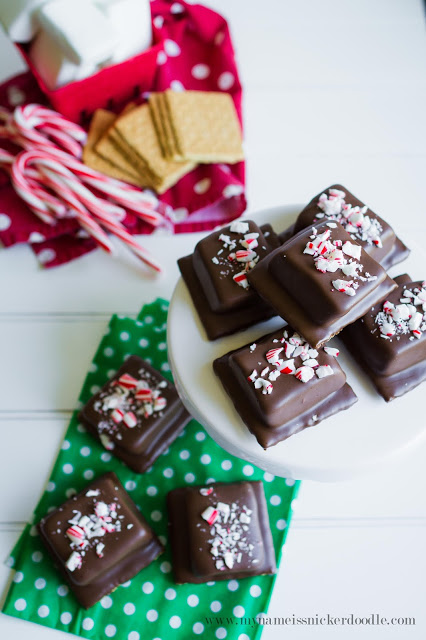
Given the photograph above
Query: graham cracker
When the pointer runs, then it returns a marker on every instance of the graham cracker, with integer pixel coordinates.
(101, 122)
(205, 126)
(138, 136)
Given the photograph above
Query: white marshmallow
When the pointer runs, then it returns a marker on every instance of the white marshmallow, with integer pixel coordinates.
(53, 66)
(80, 29)
(132, 20)
(18, 18)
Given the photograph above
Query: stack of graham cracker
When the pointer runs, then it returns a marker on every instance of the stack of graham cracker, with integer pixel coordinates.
(157, 143)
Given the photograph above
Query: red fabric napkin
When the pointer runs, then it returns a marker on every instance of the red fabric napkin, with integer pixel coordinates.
(197, 54)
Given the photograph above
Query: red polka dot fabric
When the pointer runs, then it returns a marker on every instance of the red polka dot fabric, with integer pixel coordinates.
(196, 54)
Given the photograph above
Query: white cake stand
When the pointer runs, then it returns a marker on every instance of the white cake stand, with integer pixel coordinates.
(352, 442)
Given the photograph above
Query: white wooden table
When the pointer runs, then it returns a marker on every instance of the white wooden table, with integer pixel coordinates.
(334, 91)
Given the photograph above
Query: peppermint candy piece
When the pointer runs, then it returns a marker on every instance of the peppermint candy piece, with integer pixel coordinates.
(206, 491)
(272, 355)
(250, 241)
(344, 286)
(324, 371)
(241, 279)
(127, 381)
(106, 442)
(117, 415)
(289, 349)
(130, 420)
(331, 351)
(288, 367)
(245, 255)
(387, 329)
(237, 226)
(304, 374)
(75, 534)
(415, 322)
(74, 562)
(160, 403)
(144, 395)
(210, 515)
(352, 250)
(265, 385)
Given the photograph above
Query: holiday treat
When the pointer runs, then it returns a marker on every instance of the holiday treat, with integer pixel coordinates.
(389, 342)
(280, 385)
(216, 276)
(320, 281)
(200, 126)
(220, 531)
(99, 540)
(136, 415)
(375, 236)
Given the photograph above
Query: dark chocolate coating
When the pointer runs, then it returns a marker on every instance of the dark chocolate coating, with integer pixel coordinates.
(190, 534)
(288, 280)
(393, 250)
(395, 366)
(141, 445)
(234, 318)
(292, 405)
(126, 551)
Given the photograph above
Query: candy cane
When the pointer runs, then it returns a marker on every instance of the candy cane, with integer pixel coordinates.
(57, 177)
(21, 185)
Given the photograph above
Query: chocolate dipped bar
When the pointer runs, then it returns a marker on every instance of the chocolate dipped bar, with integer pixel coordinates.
(320, 281)
(280, 385)
(337, 204)
(389, 342)
(136, 415)
(216, 277)
(99, 540)
(219, 532)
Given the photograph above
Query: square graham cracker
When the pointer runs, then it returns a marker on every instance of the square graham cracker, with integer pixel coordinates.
(205, 126)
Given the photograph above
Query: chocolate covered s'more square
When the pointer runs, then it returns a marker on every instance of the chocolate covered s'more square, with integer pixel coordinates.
(389, 342)
(216, 277)
(220, 532)
(375, 235)
(136, 415)
(99, 540)
(320, 281)
(280, 385)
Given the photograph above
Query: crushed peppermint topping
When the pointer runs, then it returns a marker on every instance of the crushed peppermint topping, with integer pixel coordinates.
(355, 220)
(229, 534)
(238, 251)
(293, 346)
(126, 402)
(330, 257)
(407, 317)
(85, 530)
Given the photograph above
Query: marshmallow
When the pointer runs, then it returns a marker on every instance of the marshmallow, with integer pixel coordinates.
(53, 67)
(81, 29)
(18, 18)
(132, 20)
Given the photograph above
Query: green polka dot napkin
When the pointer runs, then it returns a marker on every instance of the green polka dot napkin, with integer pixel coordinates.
(150, 606)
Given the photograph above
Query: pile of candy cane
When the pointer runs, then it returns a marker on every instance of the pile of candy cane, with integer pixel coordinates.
(50, 177)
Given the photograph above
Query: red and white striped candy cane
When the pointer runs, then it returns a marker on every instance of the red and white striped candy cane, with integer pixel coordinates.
(35, 123)
(62, 181)
(20, 182)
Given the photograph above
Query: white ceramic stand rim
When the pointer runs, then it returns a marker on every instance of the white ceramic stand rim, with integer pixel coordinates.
(362, 439)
